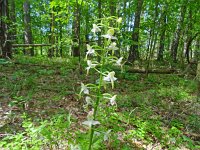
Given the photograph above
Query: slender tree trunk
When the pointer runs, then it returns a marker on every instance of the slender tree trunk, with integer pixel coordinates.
(5, 43)
(175, 42)
(61, 40)
(52, 35)
(197, 52)
(190, 36)
(134, 53)
(198, 81)
(188, 44)
(112, 5)
(162, 35)
(13, 20)
(76, 32)
(129, 17)
(86, 27)
(28, 39)
(153, 38)
(124, 15)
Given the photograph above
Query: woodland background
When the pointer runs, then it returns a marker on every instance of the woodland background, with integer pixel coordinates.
(42, 52)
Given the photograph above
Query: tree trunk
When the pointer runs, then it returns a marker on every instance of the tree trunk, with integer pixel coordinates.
(197, 52)
(13, 20)
(188, 44)
(76, 32)
(134, 53)
(5, 43)
(124, 16)
(52, 34)
(61, 40)
(162, 35)
(112, 5)
(198, 81)
(190, 36)
(153, 38)
(28, 39)
(175, 42)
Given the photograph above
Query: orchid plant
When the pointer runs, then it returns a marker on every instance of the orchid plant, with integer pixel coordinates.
(106, 54)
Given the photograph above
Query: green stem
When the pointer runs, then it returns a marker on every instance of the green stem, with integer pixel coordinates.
(98, 100)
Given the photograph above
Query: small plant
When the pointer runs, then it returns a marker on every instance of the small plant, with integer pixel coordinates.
(102, 104)
(46, 135)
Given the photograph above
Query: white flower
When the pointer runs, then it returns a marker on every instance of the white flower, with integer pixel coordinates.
(119, 20)
(110, 34)
(74, 147)
(84, 89)
(112, 100)
(119, 61)
(97, 133)
(110, 78)
(90, 51)
(90, 122)
(90, 115)
(95, 29)
(88, 100)
(113, 46)
(90, 65)
(106, 135)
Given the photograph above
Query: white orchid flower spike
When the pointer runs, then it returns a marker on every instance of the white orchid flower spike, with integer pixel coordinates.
(113, 46)
(90, 51)
(110, 34)
(84, 89)
(95, 29)
(112, 100)
(119, 20)
(90, 65)
(119, 61)
(110, 78)
(91, 123)
(88, 100)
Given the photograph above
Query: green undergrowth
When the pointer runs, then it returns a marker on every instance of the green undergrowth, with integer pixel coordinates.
(41, 109)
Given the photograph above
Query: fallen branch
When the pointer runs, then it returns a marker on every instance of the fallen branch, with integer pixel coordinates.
(157, 71)
(29, 45)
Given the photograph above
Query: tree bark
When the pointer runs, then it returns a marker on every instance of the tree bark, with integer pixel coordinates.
(153, 38)
(134, 53)
(28, 39)
(5, 43)
(13, 20)
(188, 44)
(198, 81)
(76, 32)
(61, 39)
(197, 48)
(162, 35)
(175, 42)
(51, 50)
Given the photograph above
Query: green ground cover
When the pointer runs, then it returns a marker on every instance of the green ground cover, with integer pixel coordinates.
(40, 109)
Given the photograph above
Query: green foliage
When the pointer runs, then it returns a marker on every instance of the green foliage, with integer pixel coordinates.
(158, 109)
(129, 76)
(47, 134)
(4, 61)
(175, 93)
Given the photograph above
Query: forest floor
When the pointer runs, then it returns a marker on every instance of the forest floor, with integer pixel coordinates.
(153, 112)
